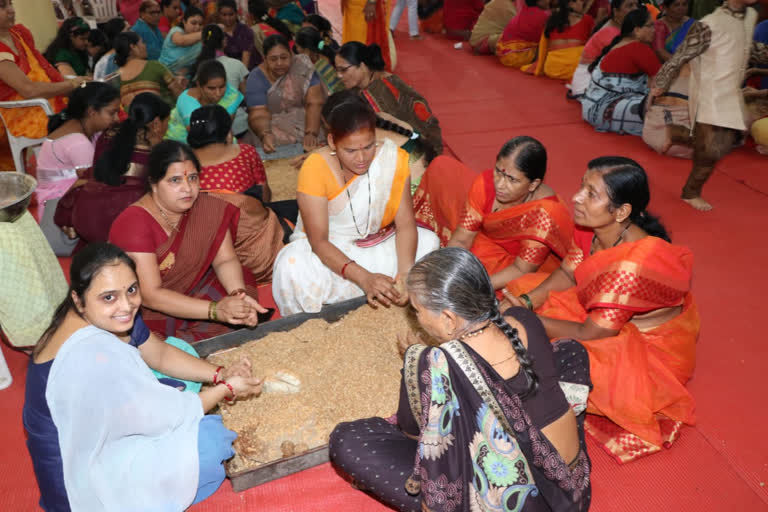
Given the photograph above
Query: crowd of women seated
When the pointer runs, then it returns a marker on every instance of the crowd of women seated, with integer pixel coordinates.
(193, 230)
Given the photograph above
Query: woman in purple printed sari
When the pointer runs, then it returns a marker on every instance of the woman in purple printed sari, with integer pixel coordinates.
(487, 419)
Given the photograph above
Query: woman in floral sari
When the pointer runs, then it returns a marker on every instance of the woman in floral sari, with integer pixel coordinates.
(615, 100)
(563, 40)
(284, 97)
(624, 291)
(356, 232)
(488, 419)
(192, 282)
(25, 75)
(507, 217)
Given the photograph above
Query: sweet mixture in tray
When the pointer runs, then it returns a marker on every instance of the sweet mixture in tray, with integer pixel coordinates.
(316, 375)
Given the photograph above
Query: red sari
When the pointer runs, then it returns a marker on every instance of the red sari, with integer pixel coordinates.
(185, 263)
(639, 376)
(539, 232)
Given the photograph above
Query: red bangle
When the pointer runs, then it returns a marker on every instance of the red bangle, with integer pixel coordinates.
(231, 390)
(216, 375)
(344, 268)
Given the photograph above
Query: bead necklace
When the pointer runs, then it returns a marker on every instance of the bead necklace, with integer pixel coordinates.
(476, 332)
(368, 216)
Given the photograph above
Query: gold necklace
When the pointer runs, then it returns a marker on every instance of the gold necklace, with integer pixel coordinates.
(503, 360)
(173, 227)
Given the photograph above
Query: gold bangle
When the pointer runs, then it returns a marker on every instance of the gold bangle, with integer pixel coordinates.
(212, 311)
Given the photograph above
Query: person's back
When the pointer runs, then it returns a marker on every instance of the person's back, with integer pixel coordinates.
(527, 25)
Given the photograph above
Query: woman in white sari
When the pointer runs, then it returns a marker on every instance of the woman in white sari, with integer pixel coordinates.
(353, 196)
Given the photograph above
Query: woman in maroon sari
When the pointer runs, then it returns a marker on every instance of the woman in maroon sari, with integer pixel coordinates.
(119, 175)
(192, 282)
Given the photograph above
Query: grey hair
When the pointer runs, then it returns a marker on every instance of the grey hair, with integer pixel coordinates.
(454, 279)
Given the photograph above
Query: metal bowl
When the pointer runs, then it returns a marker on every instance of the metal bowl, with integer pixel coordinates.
(15, 194)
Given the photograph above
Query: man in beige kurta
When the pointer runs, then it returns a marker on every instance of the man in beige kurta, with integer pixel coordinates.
(719, 48)
(491, 24)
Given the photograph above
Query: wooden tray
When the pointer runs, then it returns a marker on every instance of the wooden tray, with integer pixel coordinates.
(242, 480)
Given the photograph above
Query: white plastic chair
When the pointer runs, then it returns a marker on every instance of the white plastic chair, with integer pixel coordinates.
(103, 10)
(19, 144)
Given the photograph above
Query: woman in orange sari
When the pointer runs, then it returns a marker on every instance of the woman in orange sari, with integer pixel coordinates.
(515, 224)
(192, 282)
(624, 292)
(25, 75)
(563, 40)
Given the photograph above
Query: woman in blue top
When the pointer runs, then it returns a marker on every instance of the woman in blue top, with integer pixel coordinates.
(211, 88)
(103, 432)
(182, 44)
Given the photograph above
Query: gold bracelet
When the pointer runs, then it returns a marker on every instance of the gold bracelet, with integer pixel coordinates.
(212, 311)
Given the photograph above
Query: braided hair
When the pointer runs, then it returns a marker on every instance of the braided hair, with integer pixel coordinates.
(454, 279)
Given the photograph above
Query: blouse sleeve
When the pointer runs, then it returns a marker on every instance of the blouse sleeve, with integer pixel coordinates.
(315, 80)
(256, 89)
(79, 152)
(646, 59)
(131, 231)
(256, 165)
(314, 177)
(660, 35)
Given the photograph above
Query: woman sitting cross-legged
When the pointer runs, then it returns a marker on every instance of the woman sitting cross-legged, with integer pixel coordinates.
(236, 174)
(137, 74)
(193, 283)
(624, 291)
(482, 414)
(507, 217)
(210, 88)
(119, 175)
(68, 150)
(284, 97)
(520, 40)
(615, 100)
(135, 441)
(353, 196)
(565, 34)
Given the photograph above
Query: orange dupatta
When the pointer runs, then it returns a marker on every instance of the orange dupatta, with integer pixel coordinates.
(639, 376)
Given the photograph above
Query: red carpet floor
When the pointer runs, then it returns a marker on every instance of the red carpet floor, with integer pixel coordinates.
(722, 462)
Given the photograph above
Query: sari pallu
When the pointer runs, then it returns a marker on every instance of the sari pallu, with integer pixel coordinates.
(639, 375)
(615, 102)
(285, 101)
(30, 122)
(186, 267)
(516, 54)
(368, 203)
(506, 463)
(675, 38)
(392, 95)
(559, 64)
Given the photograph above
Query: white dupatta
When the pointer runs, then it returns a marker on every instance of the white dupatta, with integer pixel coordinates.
(128, 442)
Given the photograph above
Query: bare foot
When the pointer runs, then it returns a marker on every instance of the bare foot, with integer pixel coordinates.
(698, 203)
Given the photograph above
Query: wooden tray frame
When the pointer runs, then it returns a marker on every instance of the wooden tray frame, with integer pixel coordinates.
(242, 480)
